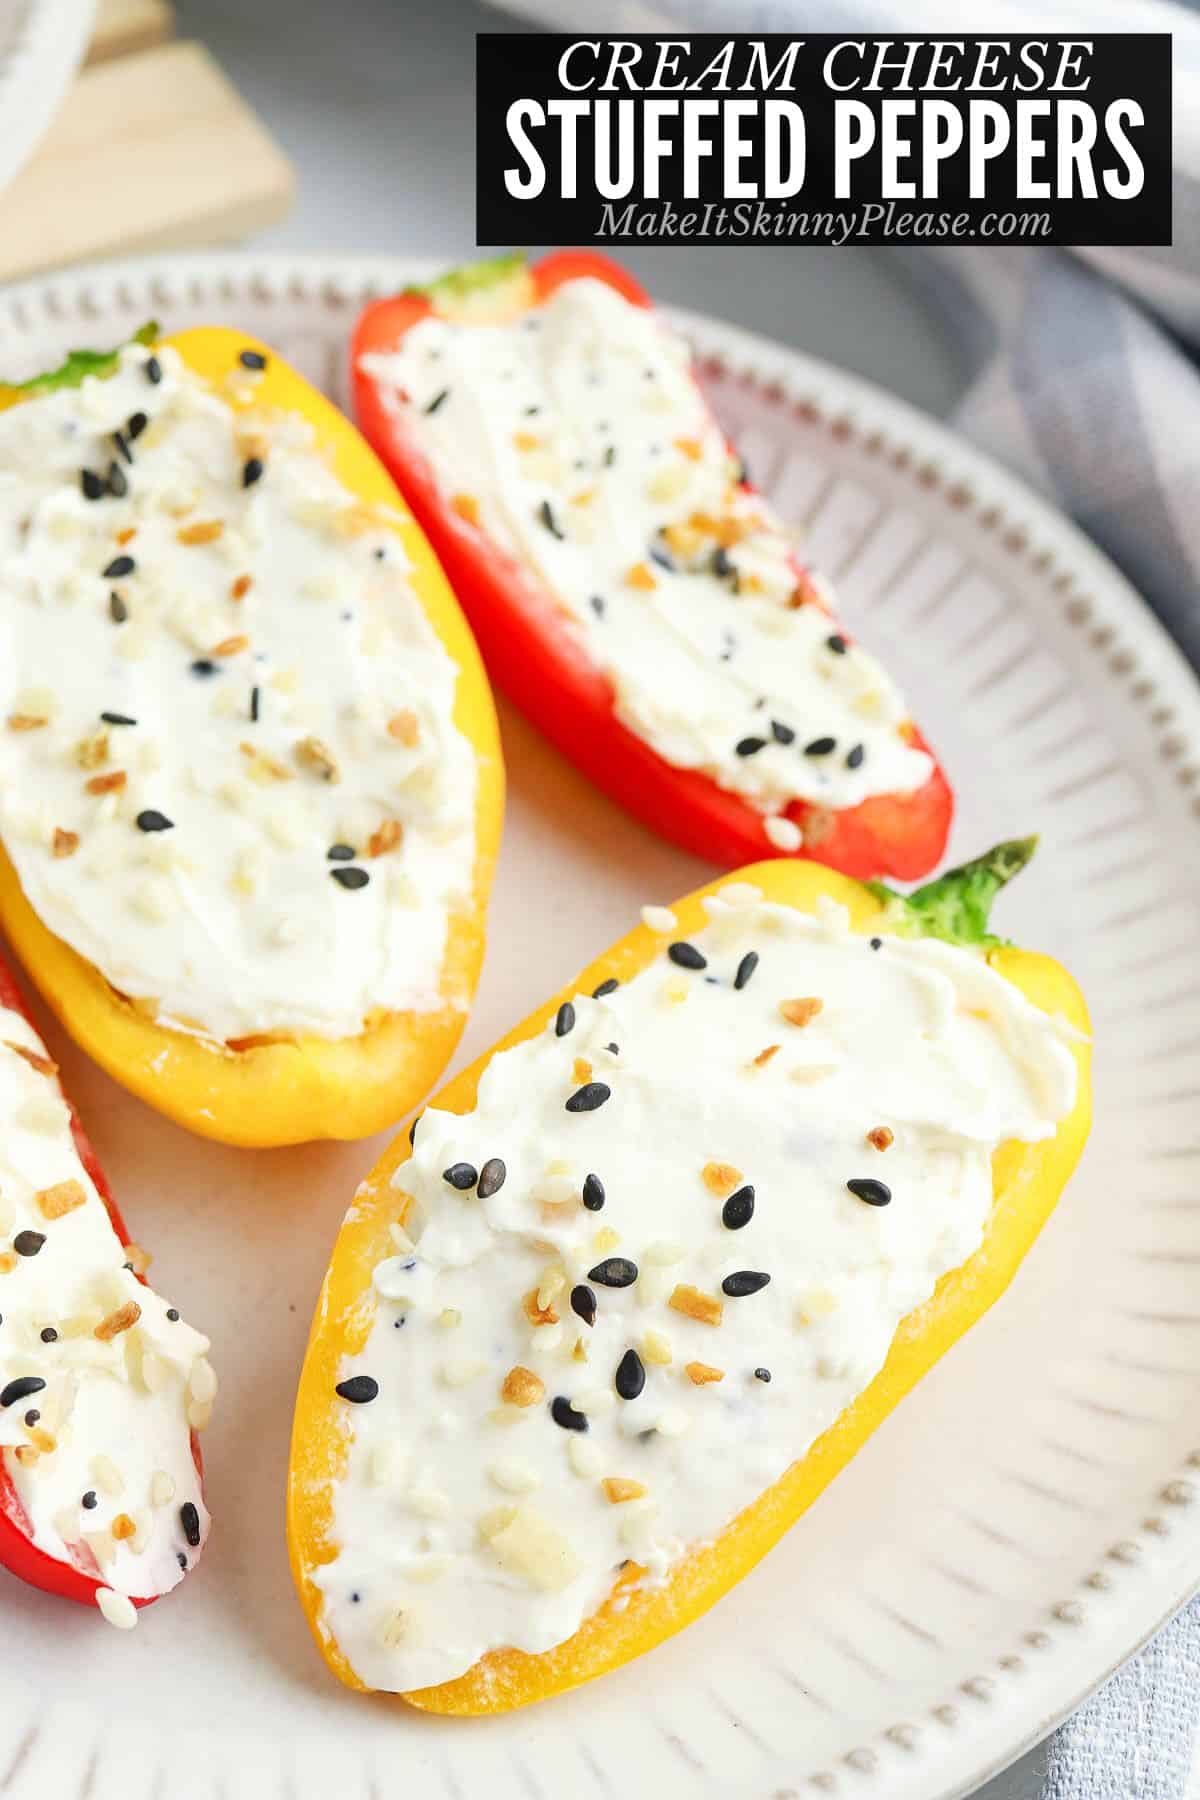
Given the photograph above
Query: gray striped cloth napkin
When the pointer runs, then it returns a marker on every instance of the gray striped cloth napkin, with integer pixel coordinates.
(1083, 377)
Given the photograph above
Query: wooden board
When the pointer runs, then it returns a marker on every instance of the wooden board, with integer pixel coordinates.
(124, 26)
(154, 150)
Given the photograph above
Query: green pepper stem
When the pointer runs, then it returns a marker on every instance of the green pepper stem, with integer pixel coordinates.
(79, 364)
(470, 278)
(955, 906)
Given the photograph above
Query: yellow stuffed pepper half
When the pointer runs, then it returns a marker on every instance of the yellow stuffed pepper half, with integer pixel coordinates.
(645, 1277)
(250, 776)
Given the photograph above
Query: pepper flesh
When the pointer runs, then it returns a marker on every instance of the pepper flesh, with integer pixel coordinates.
(293, 1089)
(1027, 1181)
(18, 1552)
(542, 666)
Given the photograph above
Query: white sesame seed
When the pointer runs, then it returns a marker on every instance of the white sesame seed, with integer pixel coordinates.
(202, 1381)
(739, 894)
(428, 1503)
(672, 1423)
(514, 1476)
(659, 918)
(585, 1458)
(457, 1372)
(118, 1609)
(785, 834)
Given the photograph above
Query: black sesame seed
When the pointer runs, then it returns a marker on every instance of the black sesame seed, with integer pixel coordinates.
(614, 1272)
(855, 757)
(823, 746)
(255, 703)
(743, 1282)
(491, 1178)
(762, 1374)
(564, 1414)
(122, 443)
(340, 853)
(590, 1096)
(89, 1501)
(531, 412)
(783, 734)
(745, 969)
(350, 878)
(20, 1389)
(546, 515)
(461, 1175)
(596, 602)
(438, 400)
(28, 1243)
(189, 1518)
(610, 456)
(152, 820)
(877, 943)
(153, 370)
(593, 1193)
(48, 1334)
(687, 956)
(252, 470)
(738, 1210)
(743, 474)
(583, 1303)
(358, 1389)
(615, 1048)
(118, 486)
(564, 1019)
(837, 644)
(606, 987)
(252, 359)
(119, 567)
(722, 564)
(118, 612)
(663, 559)
(630, 1377)
(116, 718)
(173, 1314)
(32, 1417)
(875, 1193)
(136, 423)
(181, 1559)
(750, 746)
(92, 484)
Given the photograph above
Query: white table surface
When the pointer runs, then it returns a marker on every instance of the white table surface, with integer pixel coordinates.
(373, 101)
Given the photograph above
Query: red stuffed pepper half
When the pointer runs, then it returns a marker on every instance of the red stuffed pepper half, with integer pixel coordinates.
(103, 1387)
(630, 590)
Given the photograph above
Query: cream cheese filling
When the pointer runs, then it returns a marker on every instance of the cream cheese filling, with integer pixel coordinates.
(101, 1381)
(578, 439)
(668, 1246)
(229, 772)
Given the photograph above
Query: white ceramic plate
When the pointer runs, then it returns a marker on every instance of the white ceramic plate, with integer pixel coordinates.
(41, 45)
(1028, 1516)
